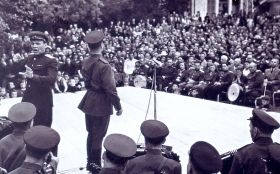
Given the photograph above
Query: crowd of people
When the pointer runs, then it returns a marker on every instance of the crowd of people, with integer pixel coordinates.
(192, 56)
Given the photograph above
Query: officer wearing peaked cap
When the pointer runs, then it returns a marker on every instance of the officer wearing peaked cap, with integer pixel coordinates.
(204, 159)
(40, 69)
(39, 142)
(250, 158)
(119, 149)
(155, 133)
(12, 152)
(101, 96)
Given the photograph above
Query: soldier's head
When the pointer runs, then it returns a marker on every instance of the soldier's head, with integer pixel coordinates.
(22, 114)
(94, 40)
(261, 124)
(39, 42)
(119, 149)
(154, 132)
(203, 159)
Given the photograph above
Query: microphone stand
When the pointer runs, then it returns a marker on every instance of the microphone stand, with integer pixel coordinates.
(155, 94)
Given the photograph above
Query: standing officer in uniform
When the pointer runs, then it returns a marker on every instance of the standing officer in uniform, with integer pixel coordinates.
(101, 95)
(119, 149)
(39, 141)
(204, 159)
(155, 133)
(12, 152)
(41, 72)
(251, 159)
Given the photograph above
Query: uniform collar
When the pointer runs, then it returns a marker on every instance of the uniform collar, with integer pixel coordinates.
(154, 152)
(31, 166)
(263, 140)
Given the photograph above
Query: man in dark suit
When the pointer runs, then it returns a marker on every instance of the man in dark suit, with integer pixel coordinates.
(12, 151)
(41, 72)
(273, 76)
(101, 96)
(155, 133)
(251, 159)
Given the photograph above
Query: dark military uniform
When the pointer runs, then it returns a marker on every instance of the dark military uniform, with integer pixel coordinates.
(195, 75)
(251, 159)
(109, 171)
(39, 87)
(12, 151)
(254, 82)
(98, 102)
(170, 74)
(28, 168)
(209, 78)
(225, 78)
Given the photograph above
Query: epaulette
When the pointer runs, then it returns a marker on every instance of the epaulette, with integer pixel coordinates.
(243, 147)
(49, 56)
(103, 60)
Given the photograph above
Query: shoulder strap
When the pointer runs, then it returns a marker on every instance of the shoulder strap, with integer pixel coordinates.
(163, 161)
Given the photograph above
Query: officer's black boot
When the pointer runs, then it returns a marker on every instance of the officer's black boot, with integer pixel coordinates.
(95, 159)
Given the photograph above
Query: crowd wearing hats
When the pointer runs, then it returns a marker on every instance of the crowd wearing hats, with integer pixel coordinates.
(192, 56)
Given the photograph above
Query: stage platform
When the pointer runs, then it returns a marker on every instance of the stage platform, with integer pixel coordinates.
(189, 120)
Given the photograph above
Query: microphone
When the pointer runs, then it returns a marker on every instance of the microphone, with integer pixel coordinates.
(157, 62)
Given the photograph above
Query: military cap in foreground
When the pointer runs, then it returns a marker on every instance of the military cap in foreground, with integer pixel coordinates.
(22, 112)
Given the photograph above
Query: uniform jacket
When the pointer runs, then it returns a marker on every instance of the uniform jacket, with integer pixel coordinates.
(109, 171)
(12, 151)
(248, 160)
(210, 78)
(150, 162)
(225, 77)
(193, 74)
(101, 92)
(39, 87)
(254, 80)
(273, 76)
(27, 168)
(169, 72)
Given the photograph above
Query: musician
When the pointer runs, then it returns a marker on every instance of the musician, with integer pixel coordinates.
(250, 159)
(39, 142)
(273, 76)
(101, 96)
(119, 149)
(155, 133)
(12, 152)
(253, 85)
(225, 80)
(138, 70)
(203, 159)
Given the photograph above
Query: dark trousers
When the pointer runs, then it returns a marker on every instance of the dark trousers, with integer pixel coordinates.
(217, 89)
(43, 116)
(97, 128)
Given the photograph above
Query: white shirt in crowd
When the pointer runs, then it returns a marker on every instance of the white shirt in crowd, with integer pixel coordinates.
(129, 66)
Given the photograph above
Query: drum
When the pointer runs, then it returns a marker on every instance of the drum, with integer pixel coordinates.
(234, 92)
(140, 81)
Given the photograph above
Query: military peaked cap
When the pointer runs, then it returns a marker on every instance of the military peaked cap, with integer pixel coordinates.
(153, 129)
(262, 119)
(94, 37)
(37, 35)
(22, 112)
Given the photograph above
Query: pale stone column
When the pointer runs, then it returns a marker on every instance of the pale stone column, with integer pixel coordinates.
(193, 7)
(241, 2)
(229, 7)
(217, 6)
